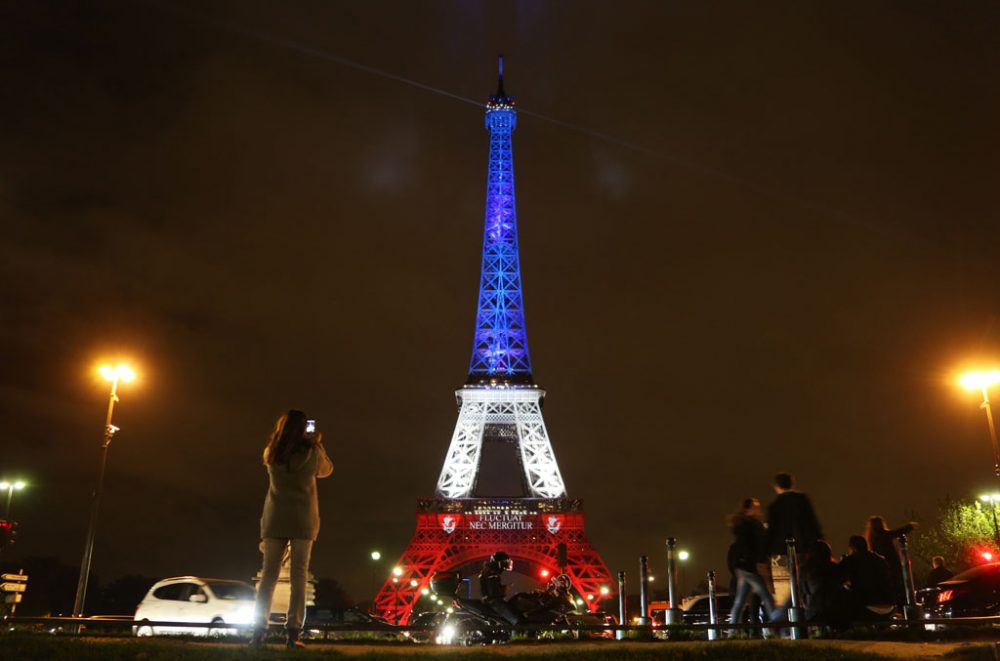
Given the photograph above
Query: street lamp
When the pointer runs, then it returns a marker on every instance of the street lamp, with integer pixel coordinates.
(11, 487)
(115, 375)
(683, 556)
(982, 381)
(993, 499)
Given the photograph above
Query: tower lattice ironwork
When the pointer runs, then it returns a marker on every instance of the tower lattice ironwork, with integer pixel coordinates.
(499, 402)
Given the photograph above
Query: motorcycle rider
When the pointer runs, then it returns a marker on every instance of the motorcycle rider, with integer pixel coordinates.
(492, 587)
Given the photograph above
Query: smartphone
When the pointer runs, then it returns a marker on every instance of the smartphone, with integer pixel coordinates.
(310, 426)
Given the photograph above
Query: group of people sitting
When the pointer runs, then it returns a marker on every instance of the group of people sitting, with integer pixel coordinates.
(866, 584)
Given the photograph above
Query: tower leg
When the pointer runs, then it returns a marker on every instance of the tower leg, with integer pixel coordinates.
(461, 464)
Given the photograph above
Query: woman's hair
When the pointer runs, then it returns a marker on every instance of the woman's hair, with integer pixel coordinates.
(744, 510)
(876, 524)
(818, 555)
(289, 435)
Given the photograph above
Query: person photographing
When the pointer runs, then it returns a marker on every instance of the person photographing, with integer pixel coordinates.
(294, 457)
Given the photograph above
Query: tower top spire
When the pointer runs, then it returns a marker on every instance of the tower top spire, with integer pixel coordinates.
(500, 101)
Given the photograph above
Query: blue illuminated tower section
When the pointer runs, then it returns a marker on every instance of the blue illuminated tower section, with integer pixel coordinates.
(500, 348)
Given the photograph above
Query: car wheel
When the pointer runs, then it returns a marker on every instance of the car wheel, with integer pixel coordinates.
(216, 630)
(144, 630)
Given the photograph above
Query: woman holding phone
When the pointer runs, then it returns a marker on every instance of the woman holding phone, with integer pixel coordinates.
(294, 457)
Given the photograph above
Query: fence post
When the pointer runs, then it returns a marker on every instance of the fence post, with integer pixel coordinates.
(622, 607)
(795, 613)
(713, 608)
(673, 615)
(643, 587)
(911, 611)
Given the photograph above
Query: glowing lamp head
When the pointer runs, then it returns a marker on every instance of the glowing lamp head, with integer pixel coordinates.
(683, 555)
(397, 571)
(413, 583)
(5, 485)
(604, 590)
(19, 485)
(987, 556)
(980, 380)
(120, 373)
(376, 555)
(544, 573)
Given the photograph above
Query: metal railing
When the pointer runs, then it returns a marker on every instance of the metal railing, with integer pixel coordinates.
(119, 625)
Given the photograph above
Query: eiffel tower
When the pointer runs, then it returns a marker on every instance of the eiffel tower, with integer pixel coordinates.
(499, 418)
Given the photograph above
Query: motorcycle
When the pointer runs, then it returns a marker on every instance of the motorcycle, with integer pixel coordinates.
(486, 622)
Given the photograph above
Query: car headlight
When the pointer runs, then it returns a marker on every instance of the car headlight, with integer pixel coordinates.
(243, 615)
(447, 635)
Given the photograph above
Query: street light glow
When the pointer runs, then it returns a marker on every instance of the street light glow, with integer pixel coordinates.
(397, 571)
(683, 555)
(376, 555)
(990, 498)
(980, 380)
(120, 373)
(19, 485)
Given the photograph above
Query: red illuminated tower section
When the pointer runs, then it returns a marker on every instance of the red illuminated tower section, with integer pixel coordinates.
(499, 407)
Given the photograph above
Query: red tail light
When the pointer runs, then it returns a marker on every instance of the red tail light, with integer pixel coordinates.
(945, 595)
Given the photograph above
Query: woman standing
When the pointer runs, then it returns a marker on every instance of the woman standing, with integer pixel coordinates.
(882, 540)
(294, 457)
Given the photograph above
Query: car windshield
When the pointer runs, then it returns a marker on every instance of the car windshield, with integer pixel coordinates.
(233, 590)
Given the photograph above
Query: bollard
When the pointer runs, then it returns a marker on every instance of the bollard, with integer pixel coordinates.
(622, 609)
(713, 607)
(911, 611)
(794, 611)
(673, 615)
(643, 587)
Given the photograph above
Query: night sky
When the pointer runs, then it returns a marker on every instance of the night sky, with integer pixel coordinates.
(754, 237)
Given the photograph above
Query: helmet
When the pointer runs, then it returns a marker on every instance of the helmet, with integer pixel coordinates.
(560, 583)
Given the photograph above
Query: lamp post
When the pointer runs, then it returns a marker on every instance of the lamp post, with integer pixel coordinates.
(982, 381)
(10, 487)
(114, 375)
(993, 499)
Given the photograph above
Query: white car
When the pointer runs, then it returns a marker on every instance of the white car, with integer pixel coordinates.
(191, 599)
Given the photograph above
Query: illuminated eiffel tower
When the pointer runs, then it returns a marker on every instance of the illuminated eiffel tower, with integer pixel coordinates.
(500, 404)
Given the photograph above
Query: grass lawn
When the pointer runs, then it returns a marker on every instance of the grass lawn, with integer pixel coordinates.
(44, 647)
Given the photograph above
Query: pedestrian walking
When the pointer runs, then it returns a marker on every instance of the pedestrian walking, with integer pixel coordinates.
(750, 562)
(789, 516)
(294, 457)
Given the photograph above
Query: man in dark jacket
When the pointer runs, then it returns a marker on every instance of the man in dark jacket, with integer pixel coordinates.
(492, 588)
(866, 575)
(790, 516)
(939, 573)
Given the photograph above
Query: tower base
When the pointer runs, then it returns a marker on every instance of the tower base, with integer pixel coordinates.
(452, 533)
